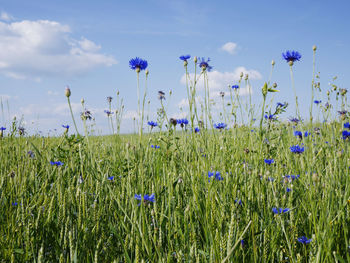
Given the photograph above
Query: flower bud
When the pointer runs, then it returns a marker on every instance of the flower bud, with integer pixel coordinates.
(117, 92)
(185, 63)
(343, 92)
(195, 59)
(290, 63)
(241, 76)
(274, 85)
(147, 72)
(272, 62)
(67, 92)
(264, 89)
(82, 100)
(314, 48)
(246, 76)
(138, 70)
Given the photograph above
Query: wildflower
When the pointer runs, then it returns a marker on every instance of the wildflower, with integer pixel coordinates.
(155, 146)
(280, 104)
(294, 120)
(343, 92)
(173, 121)
(66, 126)
(109, 113)
(109, 99)
(291, 56)
(347, 125)
(288, 190)
(182, 122)
(217, 175)
(2, 128)
(31, 154)
(161, 95)
(242, 243)
(270, 179)
(238, 201)
(317, 101)
(280, 210)
(300, 134)
(21, 130)
(220, 126)
(86, 115)
(146, 198)
(235, 87)
(269, 161)
(185, 57)
(2, 131)
(204, 65)
(56, 163)
(67, 92)
(297, 149)
(270, 117)
(304, 240)
(110, 178)
(197, 130)
(14, 203)
(345, 134)
(222, 94)
(138, 64)
(152, 124)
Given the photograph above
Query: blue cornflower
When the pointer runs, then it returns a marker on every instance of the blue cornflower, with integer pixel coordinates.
(347, 125)
(66, 126)
(288, 190)
(300, 134)
(203, 64)
(296, 149)
(138, 197)
(291, 56)
(197, 130)
(295, 120)
(146, 198)
(31, 154)
(155, 146)
(220, 126)
(217, 175)
(238, 201)
(56, 163)
(269, 161)
(280, 104)
(138, 64)
(108, 112)
(235, 87)
(185, 57)
(242, 243)
(14, 203)
(291, 177)
(345, 134)
(280, 210)
(304, 240)
(2, 128)
(182, 122)
(317, 101)
(110, 178)
(152, 124)
(270, 117)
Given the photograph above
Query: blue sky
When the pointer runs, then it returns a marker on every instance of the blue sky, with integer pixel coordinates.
(46, 45)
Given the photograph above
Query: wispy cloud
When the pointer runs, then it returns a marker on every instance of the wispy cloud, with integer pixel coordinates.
(5, 16)
(46, 48)
(230, 47)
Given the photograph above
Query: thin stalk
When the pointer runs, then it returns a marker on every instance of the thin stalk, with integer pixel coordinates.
(71, 112)
(297, 112)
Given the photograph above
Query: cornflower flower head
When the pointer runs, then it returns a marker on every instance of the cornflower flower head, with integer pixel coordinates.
(220, 126)
(280, 210)
(161, 95)
(347, 125)
(58, 164)
(14, 203)
(152, 124)
(317, 101)
(280, 104)
(294, 120)
(270, 117)
(110, 178)
(182, 122)
(345, 134)
(109, 99)
(296, 149)
(146, 198)
(291, 56)
(304, 240)
(197, 130)
(203, 64)
(269, 161)
(217, 175)
(185, 57)
(138, 64)
(31, 154)
(288, 190)
(235, 87)
(21, 130)
(109, 113)
(86, 115)
(291, 178)
(238, 201)
(2, 128)
(66, 126)
(155, 146)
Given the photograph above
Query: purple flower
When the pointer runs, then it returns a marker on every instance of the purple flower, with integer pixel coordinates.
(138, 64)
(304, 240)
(56, 163)
(152, 124)
(269, 161)
(297, 149)
(280, 210)
(220, 126)
(203, 64)
(185, 57)
(347, 125)
(291, 56)
(110, 178)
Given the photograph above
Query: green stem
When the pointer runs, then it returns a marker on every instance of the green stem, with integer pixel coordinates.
(71, 112)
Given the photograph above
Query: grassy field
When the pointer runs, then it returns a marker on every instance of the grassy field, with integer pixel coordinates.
(75, 199)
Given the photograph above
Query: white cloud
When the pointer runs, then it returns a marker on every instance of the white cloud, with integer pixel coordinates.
(4, 97)
(46, 48)
(5, 16)
(130, 114)
(219, 81)
(229, 47)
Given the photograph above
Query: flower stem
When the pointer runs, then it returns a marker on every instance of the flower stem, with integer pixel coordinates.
(71, 112)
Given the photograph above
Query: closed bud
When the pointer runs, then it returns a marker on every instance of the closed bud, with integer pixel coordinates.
(272, 62)
(138, 70)
(246, 76)
(82, 100)
(67, 92)
(241, 76)
(195, 59)
(147, 72)
(185, 63)
(314, 48)
(264, 89)
(274, 85)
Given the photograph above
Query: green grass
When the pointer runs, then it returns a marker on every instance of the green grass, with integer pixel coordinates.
(58, 217)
